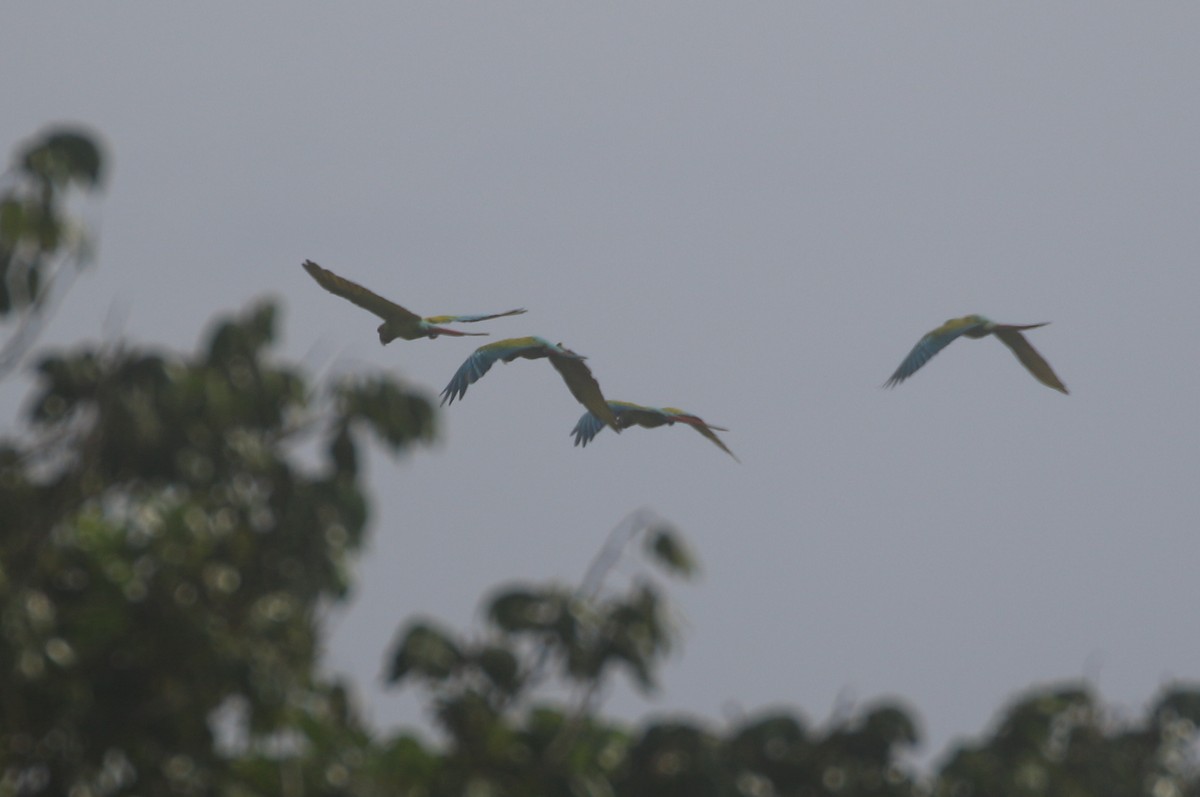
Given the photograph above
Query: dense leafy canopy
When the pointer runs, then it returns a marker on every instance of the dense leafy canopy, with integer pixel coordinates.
(172, 525)
(166, 552)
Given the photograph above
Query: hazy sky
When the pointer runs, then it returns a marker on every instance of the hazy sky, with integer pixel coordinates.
(751, 211)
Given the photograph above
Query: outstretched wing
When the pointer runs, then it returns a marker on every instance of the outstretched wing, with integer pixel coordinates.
(340, 286)
(584, 388)
(1029, 356)
(451, 319)
(931, 344)
(481, 360)
(706, 430)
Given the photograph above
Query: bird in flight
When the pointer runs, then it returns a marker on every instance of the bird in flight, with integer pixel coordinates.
(976, 326)
(397, 321)
(630, 414)
(570, 366)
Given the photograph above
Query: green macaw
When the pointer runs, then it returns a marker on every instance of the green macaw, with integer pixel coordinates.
(629, 414)
(976, 326)
(397, 321)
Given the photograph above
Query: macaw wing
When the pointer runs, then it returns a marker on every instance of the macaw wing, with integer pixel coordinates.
(352, 291)
(451, 319)
(482, 359)
(1029, 357)
(706, 430)
(472, 369)
(587, 428)
(676, 414)
(585, 388)
(929, 345)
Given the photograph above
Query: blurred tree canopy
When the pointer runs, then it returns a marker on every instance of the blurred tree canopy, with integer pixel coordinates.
(42, 242)
(172, 526)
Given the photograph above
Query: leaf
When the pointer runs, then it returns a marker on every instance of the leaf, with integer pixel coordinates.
(524, 610)
(668, 548)
(776, 732)
(1179, 702)
(65, 155)
(424, 651)
(12, 224)
(342, 451)
(243, 336)
(501, 667)
(398, 416)
(406, 762)
(893, 725)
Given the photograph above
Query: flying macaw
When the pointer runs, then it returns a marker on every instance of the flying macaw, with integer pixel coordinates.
(976, 326)
(397, 321)
(570, 366)
(629, 414)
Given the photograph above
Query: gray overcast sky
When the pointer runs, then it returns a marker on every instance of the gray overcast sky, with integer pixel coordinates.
(748, 210)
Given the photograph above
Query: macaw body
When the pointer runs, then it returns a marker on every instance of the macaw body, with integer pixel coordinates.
(397, 321)
(575, 373)
(976, 326)
(630, 414)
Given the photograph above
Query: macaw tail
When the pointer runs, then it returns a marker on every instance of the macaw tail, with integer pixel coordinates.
(454, 333)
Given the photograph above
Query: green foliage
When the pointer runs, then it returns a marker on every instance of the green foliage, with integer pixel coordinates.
(165, 554)
(1055, 741)
(1062, 741)
(587, 635)
(34, 223)
(63, 156)
(40, 239)
(426, 652)
(387, 409)
(503, 739)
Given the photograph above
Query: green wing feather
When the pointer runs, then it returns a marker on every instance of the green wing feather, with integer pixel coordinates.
(585, 388)
(1029, 357)
(352, 291)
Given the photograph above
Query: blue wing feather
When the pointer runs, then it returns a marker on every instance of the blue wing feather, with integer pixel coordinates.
(930, 345)
(472, 369)
(587, 428)
(482, 359)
